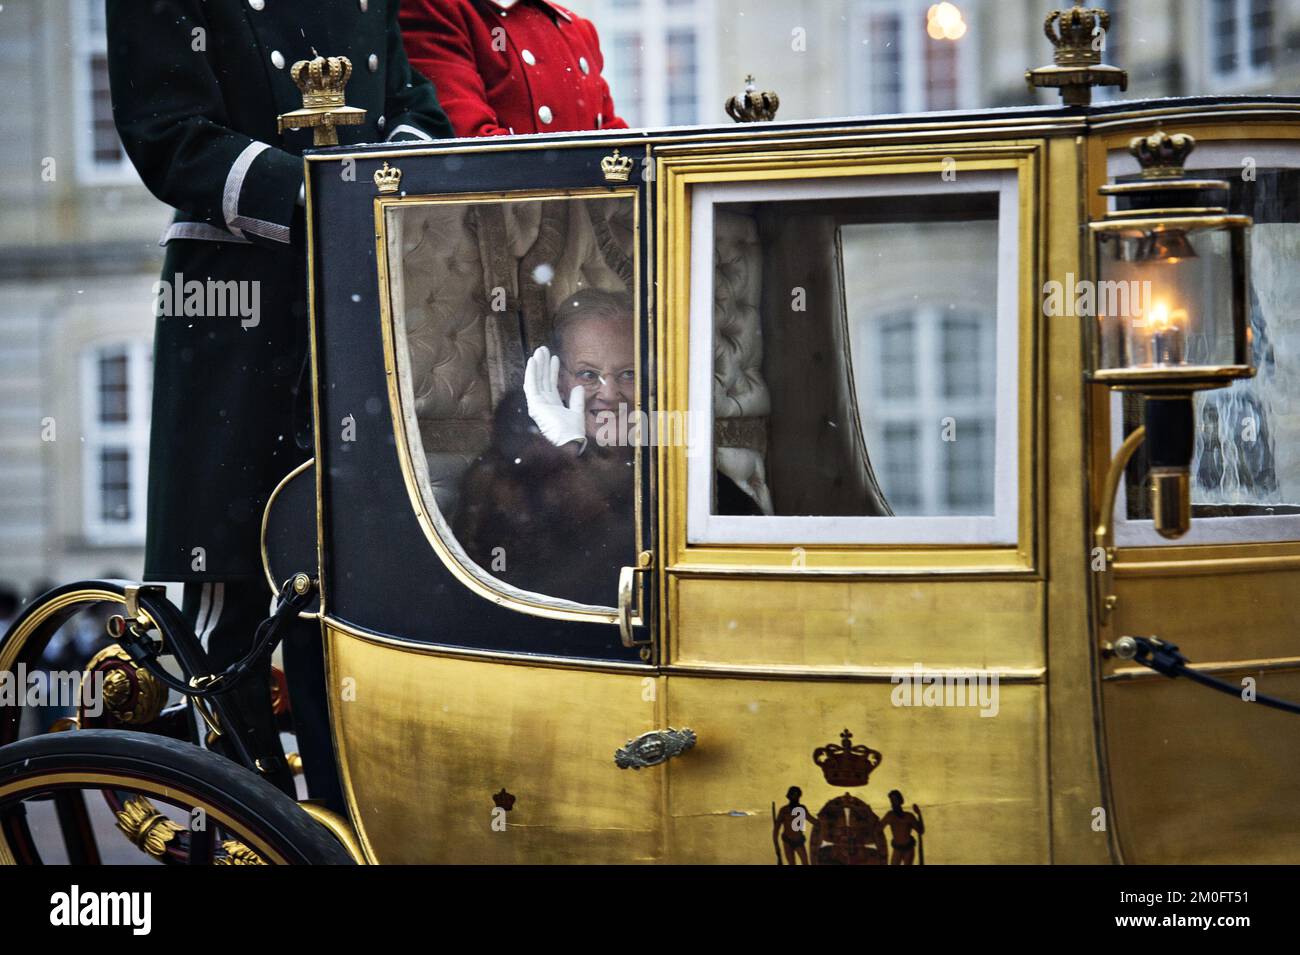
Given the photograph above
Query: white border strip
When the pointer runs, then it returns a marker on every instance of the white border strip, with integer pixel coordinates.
(235, 184)
(419, 134)
(1001, 527)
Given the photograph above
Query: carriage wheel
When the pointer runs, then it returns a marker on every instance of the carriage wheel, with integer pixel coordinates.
(212, 810)
(30, 634)
(24, 645)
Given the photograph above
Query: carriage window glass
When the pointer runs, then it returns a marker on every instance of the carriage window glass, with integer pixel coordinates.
(1246, 462)
(514, 337)
(862, 361)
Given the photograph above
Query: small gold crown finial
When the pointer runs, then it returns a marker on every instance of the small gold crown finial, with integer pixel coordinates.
(1161, 155)
(388, 179)
(1077, 36)
(616, 167)
(322, 81)
(753, 106)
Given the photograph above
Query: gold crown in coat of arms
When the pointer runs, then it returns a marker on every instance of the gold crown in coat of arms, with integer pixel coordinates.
(848, 764)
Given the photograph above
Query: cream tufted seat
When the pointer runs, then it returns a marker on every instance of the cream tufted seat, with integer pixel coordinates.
(447, 343)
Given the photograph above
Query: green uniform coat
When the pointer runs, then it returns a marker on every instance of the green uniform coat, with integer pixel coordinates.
(197, 86)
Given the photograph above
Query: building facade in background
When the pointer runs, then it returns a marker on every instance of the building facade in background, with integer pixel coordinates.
(79, 234)
(79, 255)
(855, 57)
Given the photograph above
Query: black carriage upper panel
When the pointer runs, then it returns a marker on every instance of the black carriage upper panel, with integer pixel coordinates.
(476, 321)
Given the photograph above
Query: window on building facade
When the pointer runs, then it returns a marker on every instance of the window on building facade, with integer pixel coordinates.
(934, 367)
(1241, 39)
(115, 428)
(902, 60)
(653, 59)
(100, 156)
(1116, 43)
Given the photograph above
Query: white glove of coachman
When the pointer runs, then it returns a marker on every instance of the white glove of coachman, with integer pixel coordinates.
(559, 423)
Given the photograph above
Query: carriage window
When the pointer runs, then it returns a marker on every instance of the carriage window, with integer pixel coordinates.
(514, 334)
(1246, 463)
(861, 363)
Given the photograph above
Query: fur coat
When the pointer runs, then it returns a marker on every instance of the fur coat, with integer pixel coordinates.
(543, 519)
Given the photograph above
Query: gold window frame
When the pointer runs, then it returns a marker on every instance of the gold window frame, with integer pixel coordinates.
(482, 582)
(676, 176)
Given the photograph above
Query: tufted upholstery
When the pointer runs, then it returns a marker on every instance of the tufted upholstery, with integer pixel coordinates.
(462, 356)
(741, 400)
(473, 275)
(446, 342)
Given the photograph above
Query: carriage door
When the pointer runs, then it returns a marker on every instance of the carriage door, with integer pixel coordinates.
(491, 575)
(851, 331)
(1191, 776)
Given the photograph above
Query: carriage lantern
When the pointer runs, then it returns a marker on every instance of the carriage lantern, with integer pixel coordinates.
(1171, 309)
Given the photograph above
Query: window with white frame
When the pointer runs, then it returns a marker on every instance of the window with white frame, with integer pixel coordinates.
(115, 428)
(857, 343)
(655, 59)
(1241, 39)
(100, 156)
(910, 56)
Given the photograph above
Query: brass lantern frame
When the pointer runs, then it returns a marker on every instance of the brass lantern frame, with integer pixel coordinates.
(1187, 378)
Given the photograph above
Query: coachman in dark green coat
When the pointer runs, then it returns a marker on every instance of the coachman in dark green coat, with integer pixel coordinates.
(197, 86)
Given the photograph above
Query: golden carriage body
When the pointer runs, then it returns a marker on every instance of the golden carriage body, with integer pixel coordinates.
(899, 647)
(805, 297)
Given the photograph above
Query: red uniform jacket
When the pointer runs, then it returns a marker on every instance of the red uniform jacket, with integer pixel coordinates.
(534, 67)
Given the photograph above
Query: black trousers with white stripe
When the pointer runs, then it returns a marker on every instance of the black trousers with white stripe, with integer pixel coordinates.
(225, 616)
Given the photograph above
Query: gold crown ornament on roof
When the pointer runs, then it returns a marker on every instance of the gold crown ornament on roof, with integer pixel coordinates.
(322, 81)
(388, 178)
(1162, 155)
(753, 105)
(1074, 33)
(617, 167)
(1078, 38)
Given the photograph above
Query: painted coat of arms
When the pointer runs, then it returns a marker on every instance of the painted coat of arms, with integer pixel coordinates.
(846, 830)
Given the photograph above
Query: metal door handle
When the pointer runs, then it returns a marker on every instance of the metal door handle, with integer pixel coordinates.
(653, 748)
(626, 585)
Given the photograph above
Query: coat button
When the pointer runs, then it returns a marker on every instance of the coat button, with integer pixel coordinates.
(277, 59)
(257, 4)
(373, 63)
(584, 65)
(381, 122)
(544, 114)
(600, 120)
(527, 57)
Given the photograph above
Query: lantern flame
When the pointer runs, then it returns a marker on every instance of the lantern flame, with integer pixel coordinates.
(1159, 318)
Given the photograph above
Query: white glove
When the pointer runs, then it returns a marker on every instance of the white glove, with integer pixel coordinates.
(558, 423)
